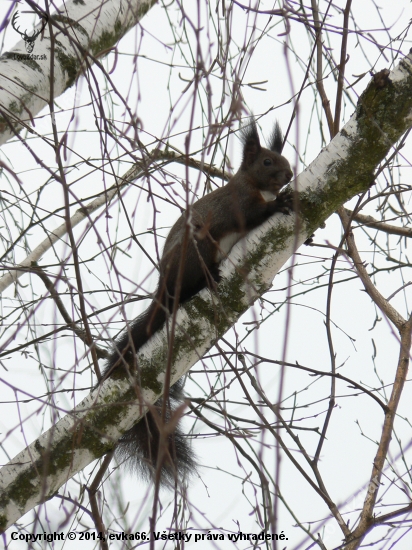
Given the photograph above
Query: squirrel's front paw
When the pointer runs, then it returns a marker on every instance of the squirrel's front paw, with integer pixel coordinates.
(285, 203)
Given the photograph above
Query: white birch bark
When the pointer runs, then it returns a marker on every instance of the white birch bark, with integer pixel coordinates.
(79, 27)
(342, 170)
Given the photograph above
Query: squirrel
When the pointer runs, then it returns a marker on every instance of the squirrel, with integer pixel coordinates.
(199, 240)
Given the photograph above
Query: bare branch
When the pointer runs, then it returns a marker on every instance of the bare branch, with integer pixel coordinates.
(342, 64)
(369, 221)
(370, 288)
(367, 520)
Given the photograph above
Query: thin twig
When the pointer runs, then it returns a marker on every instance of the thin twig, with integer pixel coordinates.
(101, 352)
(263, 480)
(332, 355)
(322, 373)
(103, 199)
(321, 490)
(301, 448)
(319, 75)
(62, 180)
(342, 64)
(331, 348)
(92, 491)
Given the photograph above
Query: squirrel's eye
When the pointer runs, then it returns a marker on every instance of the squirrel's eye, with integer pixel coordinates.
(267, 162)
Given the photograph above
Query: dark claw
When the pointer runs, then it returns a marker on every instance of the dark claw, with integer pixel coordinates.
(309, 240)
(284, 203)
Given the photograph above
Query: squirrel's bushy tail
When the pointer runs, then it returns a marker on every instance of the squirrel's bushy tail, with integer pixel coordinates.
(139, 446)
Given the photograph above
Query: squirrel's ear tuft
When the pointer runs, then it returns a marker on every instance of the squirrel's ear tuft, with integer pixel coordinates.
(251, 144)
(276, 139)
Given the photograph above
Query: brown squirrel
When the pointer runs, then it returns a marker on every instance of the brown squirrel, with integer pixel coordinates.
(210, 228)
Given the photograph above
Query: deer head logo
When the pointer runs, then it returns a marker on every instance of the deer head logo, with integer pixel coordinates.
(29, 40)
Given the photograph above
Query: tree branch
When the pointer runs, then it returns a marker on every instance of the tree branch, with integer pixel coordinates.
(24, 94)
(342, 170)
(103, 199)
(361, 219)
(101, 352)
(393, 315)
(367, 521)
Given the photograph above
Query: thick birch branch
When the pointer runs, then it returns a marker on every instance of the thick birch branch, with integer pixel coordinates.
(81, 30)
(341, 171)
